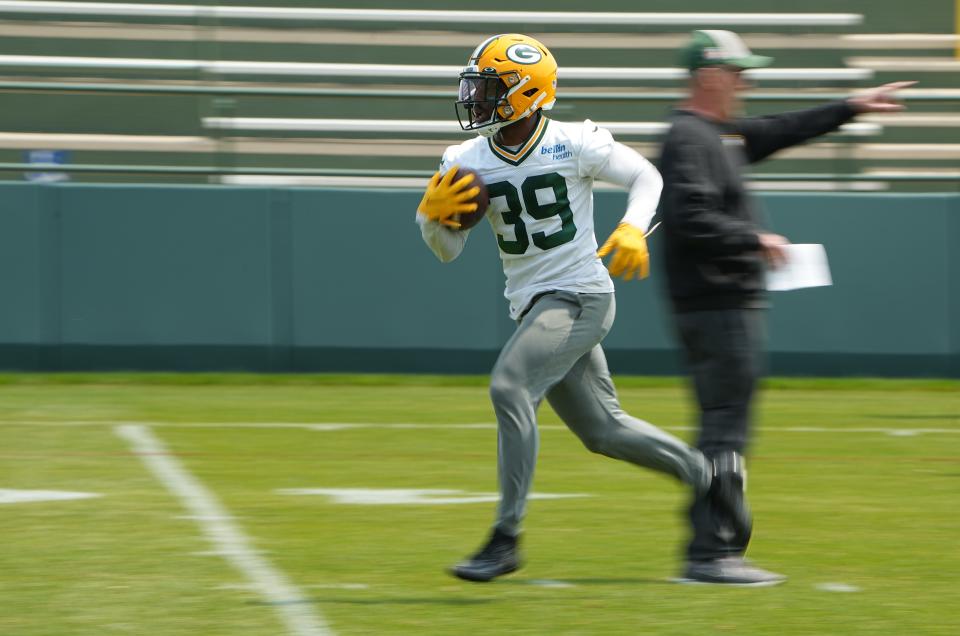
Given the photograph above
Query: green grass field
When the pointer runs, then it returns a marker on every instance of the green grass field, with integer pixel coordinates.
(855, 487)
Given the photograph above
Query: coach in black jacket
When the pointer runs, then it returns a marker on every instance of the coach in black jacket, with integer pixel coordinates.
(716, 252)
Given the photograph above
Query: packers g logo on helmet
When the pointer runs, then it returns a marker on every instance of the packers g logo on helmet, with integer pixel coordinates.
(508, 77)
(524, 54)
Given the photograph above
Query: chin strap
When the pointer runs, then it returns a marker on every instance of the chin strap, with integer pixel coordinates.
(492, 129)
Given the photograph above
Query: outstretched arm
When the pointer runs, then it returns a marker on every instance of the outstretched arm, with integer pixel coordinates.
(882, 99)
(766, 135)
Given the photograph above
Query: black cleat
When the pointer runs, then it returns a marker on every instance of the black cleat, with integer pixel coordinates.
(500, 556)
(732, 570)
(726, 494)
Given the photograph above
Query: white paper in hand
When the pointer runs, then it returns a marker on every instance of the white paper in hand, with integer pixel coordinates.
(806, 266)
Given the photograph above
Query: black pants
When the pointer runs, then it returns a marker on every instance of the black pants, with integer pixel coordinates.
(723, 351)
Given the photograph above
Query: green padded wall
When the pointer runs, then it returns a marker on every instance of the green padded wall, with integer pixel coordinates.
(304, 279)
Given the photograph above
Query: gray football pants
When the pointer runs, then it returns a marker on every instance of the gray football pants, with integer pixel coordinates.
(555, 353)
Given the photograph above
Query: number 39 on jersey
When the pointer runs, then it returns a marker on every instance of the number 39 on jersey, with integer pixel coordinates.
(541, 204)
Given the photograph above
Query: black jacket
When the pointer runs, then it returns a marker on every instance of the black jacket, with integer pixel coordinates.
(711, 251)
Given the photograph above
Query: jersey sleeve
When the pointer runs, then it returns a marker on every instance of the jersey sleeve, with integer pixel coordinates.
(445, 243)
(449, 158)
(626, 168)
(596, 144)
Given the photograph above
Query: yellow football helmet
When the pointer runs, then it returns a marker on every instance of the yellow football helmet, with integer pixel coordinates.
(508, 77)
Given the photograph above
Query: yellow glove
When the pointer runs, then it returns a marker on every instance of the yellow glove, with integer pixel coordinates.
(631, 252)
(444, 199)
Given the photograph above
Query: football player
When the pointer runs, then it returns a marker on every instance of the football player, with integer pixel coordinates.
(539, 174)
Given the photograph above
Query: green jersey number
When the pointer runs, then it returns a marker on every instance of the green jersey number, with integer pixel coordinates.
(560, 207)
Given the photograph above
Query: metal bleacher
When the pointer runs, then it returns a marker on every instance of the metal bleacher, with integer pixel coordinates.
(243, 93)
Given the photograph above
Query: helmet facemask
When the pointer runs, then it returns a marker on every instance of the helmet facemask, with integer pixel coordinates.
(482, 103)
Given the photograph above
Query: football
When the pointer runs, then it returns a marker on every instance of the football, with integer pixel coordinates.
(469, 219)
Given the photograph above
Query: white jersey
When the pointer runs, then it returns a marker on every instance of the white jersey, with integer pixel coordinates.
(541, 207)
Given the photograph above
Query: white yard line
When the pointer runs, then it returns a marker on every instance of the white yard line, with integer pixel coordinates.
(294, 610)
(898, 431)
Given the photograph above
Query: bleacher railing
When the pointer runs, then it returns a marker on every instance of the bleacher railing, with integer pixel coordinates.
(546, 18)
(220, 78)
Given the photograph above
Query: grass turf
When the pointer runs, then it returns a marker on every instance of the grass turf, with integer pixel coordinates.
(868, 500)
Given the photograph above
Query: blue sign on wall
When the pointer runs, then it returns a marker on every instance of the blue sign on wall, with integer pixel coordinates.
(47, 157)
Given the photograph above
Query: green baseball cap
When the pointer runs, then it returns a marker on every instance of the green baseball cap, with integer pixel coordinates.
(716, 48)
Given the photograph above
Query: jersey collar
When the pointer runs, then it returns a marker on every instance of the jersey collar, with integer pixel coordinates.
(515, 158)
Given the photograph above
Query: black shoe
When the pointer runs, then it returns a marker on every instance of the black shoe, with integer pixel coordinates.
(500, 556)
(726, 495)
(733, 570)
